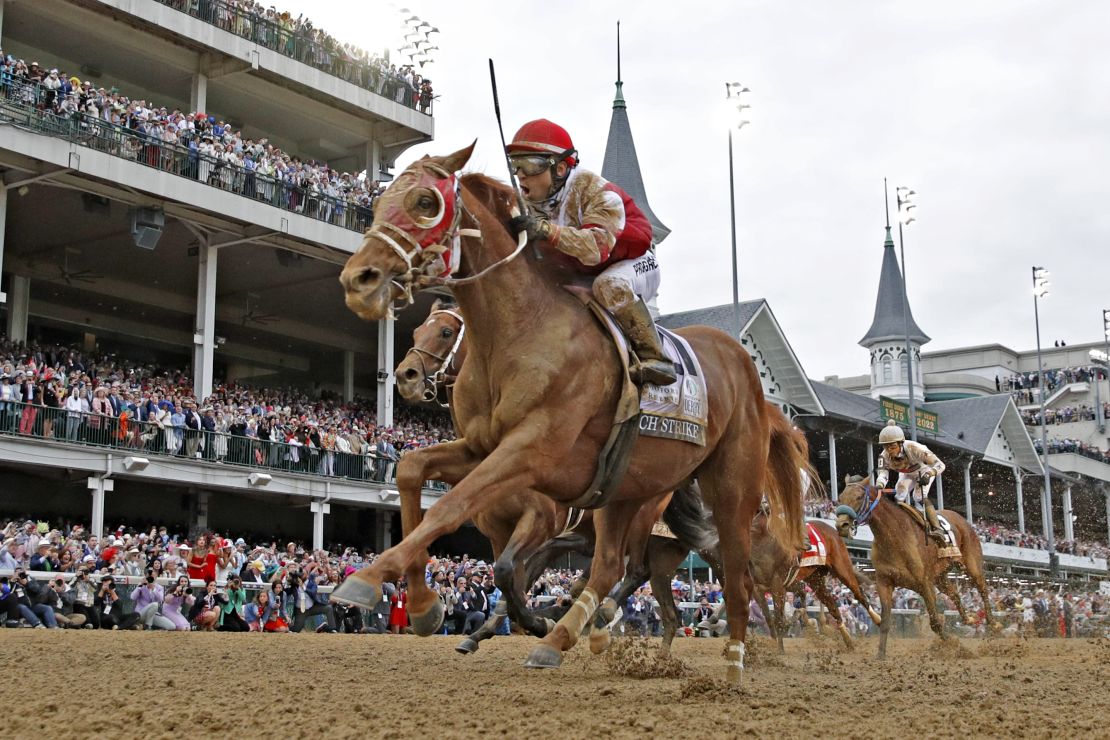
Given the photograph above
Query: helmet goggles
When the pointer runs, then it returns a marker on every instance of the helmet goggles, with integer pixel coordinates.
(530, 164)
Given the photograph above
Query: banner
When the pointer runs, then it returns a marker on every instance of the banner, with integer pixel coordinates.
(927, 421)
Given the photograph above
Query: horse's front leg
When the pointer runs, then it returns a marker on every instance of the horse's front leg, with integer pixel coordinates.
(449, 462)
(611, 525)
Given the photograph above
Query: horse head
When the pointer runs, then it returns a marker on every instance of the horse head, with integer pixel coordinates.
(415, 222)
(856, 502)
(437, 353)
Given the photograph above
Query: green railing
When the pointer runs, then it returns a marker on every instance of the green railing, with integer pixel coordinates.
(29, 105)
(152, 438)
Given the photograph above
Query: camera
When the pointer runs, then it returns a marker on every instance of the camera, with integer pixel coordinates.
(189, 591)
(150, 579)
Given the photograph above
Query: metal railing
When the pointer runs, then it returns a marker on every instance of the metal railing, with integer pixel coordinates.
(297, 44)
(29, 105)
(156, 438)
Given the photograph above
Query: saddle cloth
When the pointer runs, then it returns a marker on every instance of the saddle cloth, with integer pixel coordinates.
(660, 529)
(679, 410)
(951, 549)
(818, 553)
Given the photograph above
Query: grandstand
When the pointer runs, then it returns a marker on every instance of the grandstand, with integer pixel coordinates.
(121, 237)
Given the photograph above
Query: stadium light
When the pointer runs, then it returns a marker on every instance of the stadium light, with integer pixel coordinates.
(1040, 290)
(738, 119)
(906, 207)
(1106, 322)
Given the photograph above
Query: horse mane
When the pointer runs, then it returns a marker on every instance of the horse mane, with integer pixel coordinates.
(496, 196)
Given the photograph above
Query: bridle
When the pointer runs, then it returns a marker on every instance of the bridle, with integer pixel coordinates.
(442, 237)
(871, 497)
(439, 379)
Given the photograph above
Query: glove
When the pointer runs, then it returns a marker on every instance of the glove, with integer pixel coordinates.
(537, 228)
(926, 478)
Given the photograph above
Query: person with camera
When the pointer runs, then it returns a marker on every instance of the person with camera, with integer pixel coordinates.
(59, 598)
(111, 607)
(16, 602)
(148, 602)
(307, 601)
(232, 619)
(205, 614)
(177, 601)
(278, 620)
(84, 598)
(258, 612)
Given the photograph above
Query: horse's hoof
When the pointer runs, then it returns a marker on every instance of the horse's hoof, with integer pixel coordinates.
(874, 617)
(429, 622)
(735, 675)
(599, 640)
(467, 646)
(356, 592)
(544, 656)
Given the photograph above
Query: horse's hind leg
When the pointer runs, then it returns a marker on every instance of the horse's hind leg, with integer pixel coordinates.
(821, 591)
(948, 587)
(778, 615)
(886, 601)
(847, 575)
(636, 573)
(936, 619)
(611, 525)
(974, 570)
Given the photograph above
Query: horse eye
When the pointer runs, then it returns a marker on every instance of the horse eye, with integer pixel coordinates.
(425, 202)
(447, 332)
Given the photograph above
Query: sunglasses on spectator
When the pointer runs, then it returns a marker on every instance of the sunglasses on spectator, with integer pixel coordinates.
(530, 164)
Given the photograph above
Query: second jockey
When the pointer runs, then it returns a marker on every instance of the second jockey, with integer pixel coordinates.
(600, 228)
(917, 468)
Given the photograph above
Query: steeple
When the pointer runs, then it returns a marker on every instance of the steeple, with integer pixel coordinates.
(889, 321)
(620, 165)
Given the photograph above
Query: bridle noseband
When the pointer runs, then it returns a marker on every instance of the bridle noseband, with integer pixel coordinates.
(867, 505)
(438, 379)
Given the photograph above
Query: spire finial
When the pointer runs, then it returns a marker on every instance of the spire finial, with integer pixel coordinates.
(618, 99)
(886, 204)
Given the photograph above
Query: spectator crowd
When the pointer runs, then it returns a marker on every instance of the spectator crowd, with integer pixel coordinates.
(55, 391)
(1065, 415)
(1073, 446)
(1022, 385)
(193, 144)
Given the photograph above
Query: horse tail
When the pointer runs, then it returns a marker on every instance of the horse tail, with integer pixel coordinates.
(690, 521)
(790, 481)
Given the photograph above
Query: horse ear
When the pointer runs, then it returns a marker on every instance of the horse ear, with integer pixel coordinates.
(456, 161)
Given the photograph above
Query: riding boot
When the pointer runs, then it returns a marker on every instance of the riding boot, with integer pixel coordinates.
(650, 365)
(934, 524)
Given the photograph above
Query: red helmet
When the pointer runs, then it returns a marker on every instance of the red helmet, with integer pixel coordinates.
(546, 137)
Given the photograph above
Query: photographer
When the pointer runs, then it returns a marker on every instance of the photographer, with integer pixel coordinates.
(179, 596)
(84, 599)
(307, 601)
(110, 605)
(148, 601)
(58, 597)
(16, 603)
(205, 614)
(233, 609)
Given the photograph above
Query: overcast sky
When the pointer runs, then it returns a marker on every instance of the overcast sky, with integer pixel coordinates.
(997, 114)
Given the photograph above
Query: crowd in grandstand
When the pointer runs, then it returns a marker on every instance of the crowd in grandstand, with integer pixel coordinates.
(300, 39)
(149, 577)
(1073, 446)
(998, 534)
(193, 144)
(60, 392)
(1065, 415)
(1021, 385)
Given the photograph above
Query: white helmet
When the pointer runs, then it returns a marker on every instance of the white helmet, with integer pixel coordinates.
(891, 433)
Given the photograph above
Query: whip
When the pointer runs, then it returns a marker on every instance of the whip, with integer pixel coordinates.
(512, 173)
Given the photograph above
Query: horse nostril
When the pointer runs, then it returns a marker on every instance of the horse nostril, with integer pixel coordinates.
(368, 277)
(410, 374)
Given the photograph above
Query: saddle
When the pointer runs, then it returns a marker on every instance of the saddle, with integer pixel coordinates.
(950, 549)
(677, 412)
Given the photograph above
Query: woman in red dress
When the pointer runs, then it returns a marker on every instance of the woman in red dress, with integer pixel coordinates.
(398, 615)
(195, 561)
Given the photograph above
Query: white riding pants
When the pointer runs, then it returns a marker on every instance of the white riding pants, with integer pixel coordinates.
(907, 487)
(622, 282)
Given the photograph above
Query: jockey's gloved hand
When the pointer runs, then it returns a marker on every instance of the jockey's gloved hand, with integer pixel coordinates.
(537, 228)
(926, 478)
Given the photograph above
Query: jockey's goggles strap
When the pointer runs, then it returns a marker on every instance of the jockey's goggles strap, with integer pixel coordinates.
(530, 165)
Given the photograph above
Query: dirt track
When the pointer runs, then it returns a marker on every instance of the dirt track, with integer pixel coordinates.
(136, 684)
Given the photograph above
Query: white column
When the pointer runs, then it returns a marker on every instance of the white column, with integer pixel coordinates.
(1107, 493)
(385, 372)
(200, 520)
(3, 200)
(1046, 512)
(19, 305)
(834, 481)
(373, 160)
(348, 375)
(1020, 500)
(98, 487)
(204, 336)
(1069, 526)
(940, 492)
(967, 492)
(198, 93)
(383, 537)
(319, 511)
(1, 28)
(871, 461)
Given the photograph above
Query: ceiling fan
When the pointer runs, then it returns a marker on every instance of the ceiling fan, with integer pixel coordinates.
(64, 273)
(255, 316)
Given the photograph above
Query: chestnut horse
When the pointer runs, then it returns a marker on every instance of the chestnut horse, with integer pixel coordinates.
(904, 557)
(537, 398)
(775, 570)
(527, 532)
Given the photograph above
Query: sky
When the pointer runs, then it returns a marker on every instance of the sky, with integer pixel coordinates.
(995, 113)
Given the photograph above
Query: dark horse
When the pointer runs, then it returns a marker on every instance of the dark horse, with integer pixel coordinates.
(904, 557)
(536, 401)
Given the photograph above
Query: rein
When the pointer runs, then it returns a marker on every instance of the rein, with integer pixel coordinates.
(867, 507)
(439, 379)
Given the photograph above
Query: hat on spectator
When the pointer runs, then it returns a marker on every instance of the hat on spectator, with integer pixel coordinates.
(258, 565)
(89, 559)
(44, 543)
(133, 549)
(184, 546)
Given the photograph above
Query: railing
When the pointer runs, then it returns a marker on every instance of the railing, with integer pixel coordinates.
(156, 438)
(296, 44)
(27, 105)
(1061, 449)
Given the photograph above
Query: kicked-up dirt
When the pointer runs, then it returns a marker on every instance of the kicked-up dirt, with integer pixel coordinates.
(82, 683)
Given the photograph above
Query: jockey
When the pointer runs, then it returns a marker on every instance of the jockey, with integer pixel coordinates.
(599, 227)
(917, 468)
